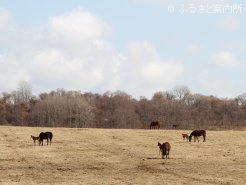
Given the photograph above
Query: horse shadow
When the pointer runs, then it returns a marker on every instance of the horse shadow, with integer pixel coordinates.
(153, 158)
(159, 158)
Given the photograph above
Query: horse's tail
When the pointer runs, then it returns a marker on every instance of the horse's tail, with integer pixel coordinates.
(51, 136)
(204, 137)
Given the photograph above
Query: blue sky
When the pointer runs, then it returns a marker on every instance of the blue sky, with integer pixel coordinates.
(136, 46)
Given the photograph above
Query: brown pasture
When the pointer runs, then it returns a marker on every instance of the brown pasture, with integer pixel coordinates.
(117, 156)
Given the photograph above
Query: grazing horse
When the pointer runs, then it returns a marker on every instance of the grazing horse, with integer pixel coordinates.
(165, 149)
(34, 139)
(45, 135)
(154, 124)
(196, 134)
(175, 126)
(185, 136)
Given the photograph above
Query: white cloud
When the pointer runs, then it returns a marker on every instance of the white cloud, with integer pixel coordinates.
(145, 72)
(68, 51)
(72, 51)
(76, 27)
(11, 72)
(225, 59)
(59, 67)
(162, 72)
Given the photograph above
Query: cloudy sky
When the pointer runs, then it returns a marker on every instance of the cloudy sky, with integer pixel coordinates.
(136, 46)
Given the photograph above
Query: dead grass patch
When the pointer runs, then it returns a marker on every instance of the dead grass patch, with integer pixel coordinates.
(103, 156)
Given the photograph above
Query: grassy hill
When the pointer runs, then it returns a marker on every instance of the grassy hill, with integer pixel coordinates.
(103, 156)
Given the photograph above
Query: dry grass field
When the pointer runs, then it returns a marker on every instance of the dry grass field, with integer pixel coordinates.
(103, 156)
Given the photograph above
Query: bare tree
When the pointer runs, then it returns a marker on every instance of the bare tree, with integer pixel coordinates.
(66, 109)
(241, 99)
(24, 92)
(181, 93)
(119, 110)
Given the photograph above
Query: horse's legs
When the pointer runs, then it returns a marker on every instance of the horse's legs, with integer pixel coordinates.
(162, 154)
(40, 141)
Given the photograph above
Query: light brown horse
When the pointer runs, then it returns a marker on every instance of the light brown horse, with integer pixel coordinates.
(34, 139)
(165, 149)
(154, 125)
(185, 136)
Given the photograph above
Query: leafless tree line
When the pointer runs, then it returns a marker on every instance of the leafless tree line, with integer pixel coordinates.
(63, 108)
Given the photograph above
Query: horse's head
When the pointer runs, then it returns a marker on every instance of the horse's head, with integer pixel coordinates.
(190, 138)
(160, 146)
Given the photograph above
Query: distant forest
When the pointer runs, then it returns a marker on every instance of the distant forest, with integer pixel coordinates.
(63, 108)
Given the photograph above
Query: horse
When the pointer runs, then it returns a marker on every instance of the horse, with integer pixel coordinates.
(175, 126)
(154, 124)
(185, 136)
(165, 149)
(45, 135)
(34, 139)
(196, 134)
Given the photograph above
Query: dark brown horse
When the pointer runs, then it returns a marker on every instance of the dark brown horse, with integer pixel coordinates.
(45, 135)
(154, 124)
(175, 126)
(196, 134)
(165, 149)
